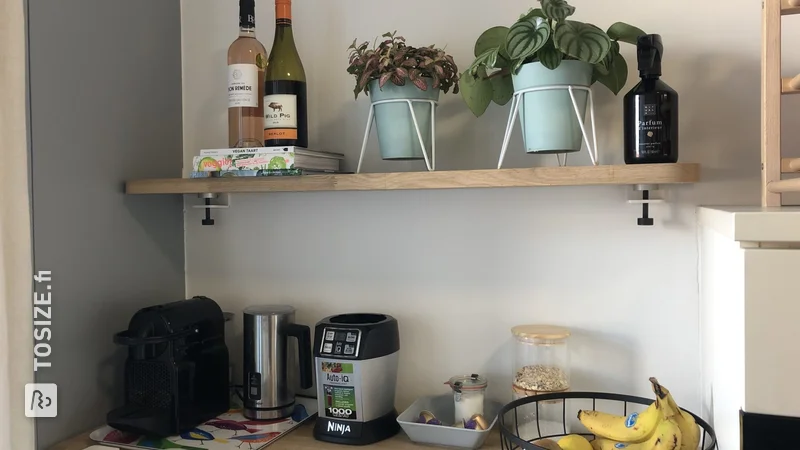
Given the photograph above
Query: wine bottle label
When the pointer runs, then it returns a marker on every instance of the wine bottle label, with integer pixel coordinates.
(242, 86)
(280, 116)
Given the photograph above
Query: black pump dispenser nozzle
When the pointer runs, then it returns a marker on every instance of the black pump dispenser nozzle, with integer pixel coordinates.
(650, 110)
(649, 51)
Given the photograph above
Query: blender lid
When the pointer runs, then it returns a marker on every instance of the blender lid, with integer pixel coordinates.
(467, 382)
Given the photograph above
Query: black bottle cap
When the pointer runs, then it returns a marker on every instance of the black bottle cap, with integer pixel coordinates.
(649, 51)
(247, 13)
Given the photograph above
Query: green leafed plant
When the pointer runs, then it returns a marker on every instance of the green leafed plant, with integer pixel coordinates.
(393, 60)
(545, 35)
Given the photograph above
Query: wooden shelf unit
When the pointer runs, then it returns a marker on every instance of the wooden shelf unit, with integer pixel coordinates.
(790, 85)
(773, 86)
(790, 7)
(455, 179)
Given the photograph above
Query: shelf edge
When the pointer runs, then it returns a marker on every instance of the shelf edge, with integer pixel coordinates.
(679, 173)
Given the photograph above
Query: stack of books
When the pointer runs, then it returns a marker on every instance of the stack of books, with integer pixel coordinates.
(264, 162)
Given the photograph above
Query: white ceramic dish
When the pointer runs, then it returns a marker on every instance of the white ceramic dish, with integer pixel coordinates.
(442, 407)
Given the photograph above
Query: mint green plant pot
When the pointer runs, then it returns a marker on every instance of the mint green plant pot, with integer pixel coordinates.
(396, 133)
(549, 123)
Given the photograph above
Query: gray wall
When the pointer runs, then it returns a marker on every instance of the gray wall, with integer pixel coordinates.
(105, 84)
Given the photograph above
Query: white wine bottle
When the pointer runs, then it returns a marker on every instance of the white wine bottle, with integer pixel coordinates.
(285, 104)
(247, 64)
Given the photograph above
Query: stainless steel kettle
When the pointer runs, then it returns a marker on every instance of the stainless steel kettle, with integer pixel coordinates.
(267, 386)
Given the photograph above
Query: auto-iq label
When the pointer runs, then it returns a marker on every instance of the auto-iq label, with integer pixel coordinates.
(339, 391)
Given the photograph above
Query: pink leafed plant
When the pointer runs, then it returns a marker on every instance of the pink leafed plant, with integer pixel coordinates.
(393, 60)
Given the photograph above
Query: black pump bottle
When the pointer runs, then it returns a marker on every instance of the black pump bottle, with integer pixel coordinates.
(651, 110)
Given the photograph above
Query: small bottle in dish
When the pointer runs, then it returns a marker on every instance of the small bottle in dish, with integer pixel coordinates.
(468, 395)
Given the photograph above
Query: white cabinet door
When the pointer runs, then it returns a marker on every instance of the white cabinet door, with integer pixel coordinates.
(772, 331)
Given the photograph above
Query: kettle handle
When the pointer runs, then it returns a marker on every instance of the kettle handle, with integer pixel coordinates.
(303, 335)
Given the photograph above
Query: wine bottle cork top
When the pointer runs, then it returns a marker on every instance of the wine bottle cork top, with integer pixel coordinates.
(283, 9)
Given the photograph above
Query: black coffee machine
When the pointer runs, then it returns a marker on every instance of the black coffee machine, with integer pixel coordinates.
(176, 374)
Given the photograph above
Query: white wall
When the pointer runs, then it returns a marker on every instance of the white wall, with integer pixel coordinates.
(459, 268)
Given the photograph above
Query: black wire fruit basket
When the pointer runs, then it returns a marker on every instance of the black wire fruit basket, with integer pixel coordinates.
(509, 417)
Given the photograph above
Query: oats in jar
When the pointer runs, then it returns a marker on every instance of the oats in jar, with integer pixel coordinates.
(541, 378)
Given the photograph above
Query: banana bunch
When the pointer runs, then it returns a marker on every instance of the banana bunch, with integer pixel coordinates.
(662, 426)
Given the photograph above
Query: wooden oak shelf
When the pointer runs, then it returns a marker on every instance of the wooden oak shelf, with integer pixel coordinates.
(787, 9)
(456, 179)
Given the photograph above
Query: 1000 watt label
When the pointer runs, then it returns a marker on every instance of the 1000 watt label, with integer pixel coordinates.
(339, 390)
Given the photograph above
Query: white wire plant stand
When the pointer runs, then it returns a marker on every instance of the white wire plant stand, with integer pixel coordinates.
(430, 163)
(519, 97)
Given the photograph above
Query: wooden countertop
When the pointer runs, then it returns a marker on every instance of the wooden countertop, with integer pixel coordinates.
(301, 439)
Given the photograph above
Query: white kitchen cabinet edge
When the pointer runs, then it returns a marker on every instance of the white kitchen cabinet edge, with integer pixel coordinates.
(749, 308)
(753, 224)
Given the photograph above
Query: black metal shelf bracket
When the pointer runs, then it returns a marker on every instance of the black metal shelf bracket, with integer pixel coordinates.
(645, 191)
(223, 202)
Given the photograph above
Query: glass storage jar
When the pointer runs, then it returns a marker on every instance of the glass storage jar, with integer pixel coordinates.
(541, 361)
(468, 395)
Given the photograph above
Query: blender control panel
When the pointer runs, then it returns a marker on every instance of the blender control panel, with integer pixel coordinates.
(340, 342)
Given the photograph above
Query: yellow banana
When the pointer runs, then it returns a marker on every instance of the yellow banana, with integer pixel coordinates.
(667, 436)
(689, 428)
(690, 432)
(574, 442)
(607, 444)
(549, 444)
(636, 427)
(633, 428)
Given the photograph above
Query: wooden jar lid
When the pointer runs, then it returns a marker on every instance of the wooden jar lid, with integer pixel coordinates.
(541, 332)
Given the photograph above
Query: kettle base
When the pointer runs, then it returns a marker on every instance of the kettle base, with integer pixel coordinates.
(356, 433)
(280, 412)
